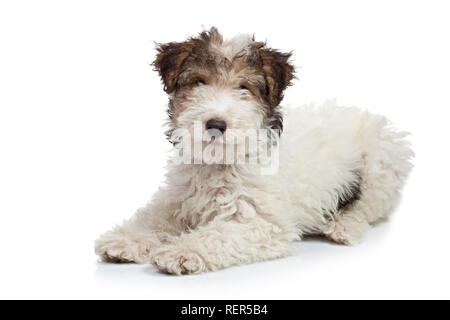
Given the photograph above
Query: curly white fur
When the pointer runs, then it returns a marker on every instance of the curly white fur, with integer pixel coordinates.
(208, 217)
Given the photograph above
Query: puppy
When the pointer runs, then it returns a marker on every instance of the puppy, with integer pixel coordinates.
(337, 170)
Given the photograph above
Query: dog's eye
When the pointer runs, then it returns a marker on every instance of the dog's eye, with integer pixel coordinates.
(243, 87)
(199, 82)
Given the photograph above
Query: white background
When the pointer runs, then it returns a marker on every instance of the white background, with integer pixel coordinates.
(82, 144)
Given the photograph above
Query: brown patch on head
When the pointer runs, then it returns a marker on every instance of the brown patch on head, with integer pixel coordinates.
(230, 65)
(199, 58)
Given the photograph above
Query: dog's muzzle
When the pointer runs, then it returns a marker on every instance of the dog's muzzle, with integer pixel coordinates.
(216, 124)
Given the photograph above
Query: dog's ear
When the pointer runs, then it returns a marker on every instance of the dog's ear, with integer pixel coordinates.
(170, 56)
(278, 72)
(169, 61)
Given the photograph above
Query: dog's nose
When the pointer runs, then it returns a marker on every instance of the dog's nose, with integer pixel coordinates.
(216, 124)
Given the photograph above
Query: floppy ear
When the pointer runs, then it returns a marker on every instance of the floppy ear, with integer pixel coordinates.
(169, 61)
(278, 72)
(170, 56)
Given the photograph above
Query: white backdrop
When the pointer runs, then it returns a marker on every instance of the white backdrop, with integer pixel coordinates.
(82, 144)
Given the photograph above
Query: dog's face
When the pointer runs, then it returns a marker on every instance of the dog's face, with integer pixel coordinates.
(225, 84)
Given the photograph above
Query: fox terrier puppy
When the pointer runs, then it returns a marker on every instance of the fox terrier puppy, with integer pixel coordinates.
(229, 200)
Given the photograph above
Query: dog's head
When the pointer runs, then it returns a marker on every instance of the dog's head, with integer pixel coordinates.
(225, 84)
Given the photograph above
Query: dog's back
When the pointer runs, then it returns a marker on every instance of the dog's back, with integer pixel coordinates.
(342, 164)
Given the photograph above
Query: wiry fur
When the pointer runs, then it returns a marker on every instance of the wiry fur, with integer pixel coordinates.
(341, 169)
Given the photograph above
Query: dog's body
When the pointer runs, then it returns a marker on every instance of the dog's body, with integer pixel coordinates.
(340, 170)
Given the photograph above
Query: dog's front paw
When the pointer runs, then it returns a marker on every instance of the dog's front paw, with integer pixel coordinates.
(117, 248)
(175, 260)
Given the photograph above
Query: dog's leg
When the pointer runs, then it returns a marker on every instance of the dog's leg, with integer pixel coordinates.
(385, 168)
(125, 244)
(134, 239)
(347, 228)
(221, 244)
